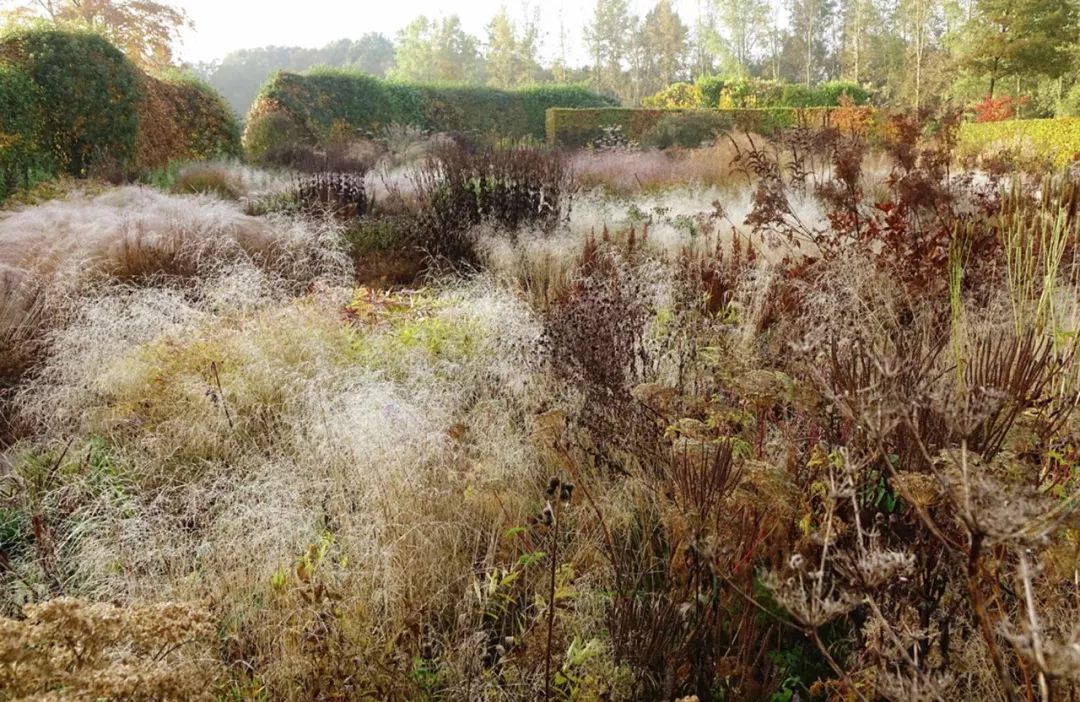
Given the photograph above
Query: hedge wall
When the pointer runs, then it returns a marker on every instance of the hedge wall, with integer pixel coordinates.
(580, 127)
(308, 108)
(19, 117)
(1056, 140)
(70, 102)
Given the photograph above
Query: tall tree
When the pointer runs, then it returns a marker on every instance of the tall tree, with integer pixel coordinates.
(437, 50)
(704, 39)
(511, 56)
(145, 30)
(774, 36)
(501, 56)
(856, 18)
(743, 24)
(1020, 37)
(920, 24)
(663, 40)
(811, 25)
(608, 39)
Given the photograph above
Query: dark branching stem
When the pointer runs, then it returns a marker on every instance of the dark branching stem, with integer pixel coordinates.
(554, 561)
(221, 395)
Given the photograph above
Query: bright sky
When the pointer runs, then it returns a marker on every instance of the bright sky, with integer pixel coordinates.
(222, 26)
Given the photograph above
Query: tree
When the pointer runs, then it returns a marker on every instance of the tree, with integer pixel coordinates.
(808, 43)
(372, 53)
(240, 74)
(920, 24)
(1020, 37)
(743, 23)
(510, 58)
(704, 40)
(437, 50)
(608, 41)
(774, 37)
(663, 40)
(143, 29)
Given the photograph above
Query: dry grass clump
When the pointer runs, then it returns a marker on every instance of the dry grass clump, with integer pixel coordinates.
(134, 232)
(52, 254)
(630, 172)
(67, 649)
(205, 179)
(391, 430)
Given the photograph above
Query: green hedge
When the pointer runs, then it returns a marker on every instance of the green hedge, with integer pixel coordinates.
(19, 118)
(87, 92)
(581, 127)
(71, 102)
(1054, 140)
(309, 108)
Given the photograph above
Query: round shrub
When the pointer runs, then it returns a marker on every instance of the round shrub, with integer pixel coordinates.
(88, 94)
(676, 95)
(181, 118)
(687, 130)
(270, 129)
(160, 133)
(834, 90)
(212, 127)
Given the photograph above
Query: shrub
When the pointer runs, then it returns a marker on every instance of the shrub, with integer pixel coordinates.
(677, 95)
(73, 104)
(206, 179)
(825, 95)
(833, 92)
(180, 118)
(458, 189)
(727, 93)
(342, 195)
(687, 130)
(88, 94)
(998, 109)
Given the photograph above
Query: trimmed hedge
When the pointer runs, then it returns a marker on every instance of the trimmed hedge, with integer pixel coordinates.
(19, 117)
(581, 127)
(311, 108)
(87, 92)
(70, 103)
(1057, 140)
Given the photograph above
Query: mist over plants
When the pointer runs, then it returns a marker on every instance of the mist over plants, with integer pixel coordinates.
(753, 382)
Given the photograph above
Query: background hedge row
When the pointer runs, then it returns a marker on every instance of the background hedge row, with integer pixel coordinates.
(71, 103)
(1055, 140)
(581, 127)
(311, 108)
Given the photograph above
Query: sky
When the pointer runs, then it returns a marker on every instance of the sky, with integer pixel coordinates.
(222, 26)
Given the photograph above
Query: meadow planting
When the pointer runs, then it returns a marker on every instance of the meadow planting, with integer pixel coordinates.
(408, 415)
